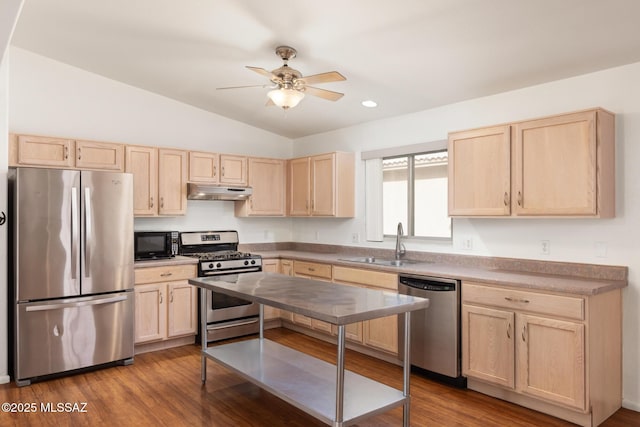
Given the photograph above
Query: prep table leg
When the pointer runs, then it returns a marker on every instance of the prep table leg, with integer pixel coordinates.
(340, 378)
(203, 333)
(406, 369)
(261, 322)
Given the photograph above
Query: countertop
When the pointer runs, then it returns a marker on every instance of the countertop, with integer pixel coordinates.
(331, 302)
(512, 278)
(177, 260)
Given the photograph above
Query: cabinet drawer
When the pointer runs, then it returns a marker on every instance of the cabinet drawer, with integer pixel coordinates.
(555, 305)
(168, 273)
(371, 278)
(312, 269)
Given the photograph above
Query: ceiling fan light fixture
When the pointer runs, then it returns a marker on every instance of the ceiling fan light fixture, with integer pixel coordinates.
(285, 98)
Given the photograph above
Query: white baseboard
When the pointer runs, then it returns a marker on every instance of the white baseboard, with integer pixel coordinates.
(634, 406)
(5, 379)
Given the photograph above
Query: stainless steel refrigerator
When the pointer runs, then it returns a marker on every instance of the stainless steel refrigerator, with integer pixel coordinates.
(71, 270)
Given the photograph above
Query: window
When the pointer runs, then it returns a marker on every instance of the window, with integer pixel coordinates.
(414, 192)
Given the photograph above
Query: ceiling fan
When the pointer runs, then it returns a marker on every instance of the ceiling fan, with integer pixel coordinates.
(290, 86)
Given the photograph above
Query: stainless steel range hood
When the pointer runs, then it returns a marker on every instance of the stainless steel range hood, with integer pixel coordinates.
(217, 192)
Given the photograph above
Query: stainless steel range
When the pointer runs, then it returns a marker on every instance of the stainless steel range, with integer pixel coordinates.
(227, 316)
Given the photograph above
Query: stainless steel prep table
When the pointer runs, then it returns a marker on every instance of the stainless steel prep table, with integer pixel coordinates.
(325, 391)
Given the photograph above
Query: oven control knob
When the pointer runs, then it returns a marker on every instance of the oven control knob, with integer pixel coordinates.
(253, 261)
(210, 265)
(218, 265)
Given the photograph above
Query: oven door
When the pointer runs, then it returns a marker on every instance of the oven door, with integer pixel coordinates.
(221, 308)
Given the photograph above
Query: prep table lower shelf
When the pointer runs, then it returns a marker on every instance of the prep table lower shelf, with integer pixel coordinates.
(304, 381)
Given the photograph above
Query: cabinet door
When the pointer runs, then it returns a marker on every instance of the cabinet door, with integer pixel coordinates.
(99, 155)
(142, 162)
(480, 172)
(150, 312)
(203, 167)
(273, 266)
(172, 182)
(44, 151)
(382, 333)
(267, 178)
(487, 345)
(286, 267)
(299, 187)
(551, 360)
(182, 309)
(555, 165)
(307, 270)
(233, 170)
(323, 185)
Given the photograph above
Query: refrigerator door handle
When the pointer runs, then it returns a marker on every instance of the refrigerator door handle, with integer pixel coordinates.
(75, 224)
(88, 232)
(58, 306)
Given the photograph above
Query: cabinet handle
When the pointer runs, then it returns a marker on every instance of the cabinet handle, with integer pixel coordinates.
(160, 297)
(506, 198)
(524, 331)
(519, 198)
(171, 296)
(66, 153)
(509, 331)
(151, 200)
(79, 154)
(166, 274)
(312, 269)
(214, 171)
(162, 202)
(524, 301)
(223, 171)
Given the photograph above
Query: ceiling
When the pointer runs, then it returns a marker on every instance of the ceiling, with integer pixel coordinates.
(407, 55)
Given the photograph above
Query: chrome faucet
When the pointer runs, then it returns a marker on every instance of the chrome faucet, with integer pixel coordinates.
(400, 250)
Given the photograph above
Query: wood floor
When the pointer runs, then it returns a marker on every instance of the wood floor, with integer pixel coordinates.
(164, 389)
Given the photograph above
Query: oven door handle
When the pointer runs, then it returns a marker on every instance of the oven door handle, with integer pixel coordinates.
(231, 325)
(230, 271)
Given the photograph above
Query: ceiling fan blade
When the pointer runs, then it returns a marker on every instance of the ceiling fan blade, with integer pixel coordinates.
(323, 93)
(263, 72)
(270, 103)
(240, 87)
(331, 76)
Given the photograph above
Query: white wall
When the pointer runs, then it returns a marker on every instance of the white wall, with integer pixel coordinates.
(571, 240)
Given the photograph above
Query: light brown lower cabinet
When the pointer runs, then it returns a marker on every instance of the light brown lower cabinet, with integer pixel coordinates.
(560, 354)
(273, 266)
(315, 271)
(165, 303)
(378, 334)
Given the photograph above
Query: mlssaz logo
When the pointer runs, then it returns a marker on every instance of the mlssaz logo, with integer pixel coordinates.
(3, 218)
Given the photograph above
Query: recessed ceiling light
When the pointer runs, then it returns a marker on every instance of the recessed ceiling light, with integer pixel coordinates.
(369, 103)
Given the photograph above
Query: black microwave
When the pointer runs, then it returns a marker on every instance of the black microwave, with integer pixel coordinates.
(155, 244)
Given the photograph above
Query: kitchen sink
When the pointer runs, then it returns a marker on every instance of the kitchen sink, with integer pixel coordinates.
(383, 261)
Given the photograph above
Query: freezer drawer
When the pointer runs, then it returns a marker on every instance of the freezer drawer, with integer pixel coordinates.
(61, 335)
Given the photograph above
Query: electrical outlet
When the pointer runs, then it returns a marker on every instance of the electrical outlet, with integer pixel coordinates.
(545, 247)
(467, 244)
(317, 235)
(355, 238)
(600, 249)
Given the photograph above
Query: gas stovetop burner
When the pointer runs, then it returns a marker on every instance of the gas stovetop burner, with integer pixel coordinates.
(221, 256)
(218, 252)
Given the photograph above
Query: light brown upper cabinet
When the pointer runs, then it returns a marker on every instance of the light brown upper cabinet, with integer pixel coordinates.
(267, 179)
(480, 172)
(322, 185)
(42, 151)
(559, 166)
(233, 169)
(204, 167)
(159, 180)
